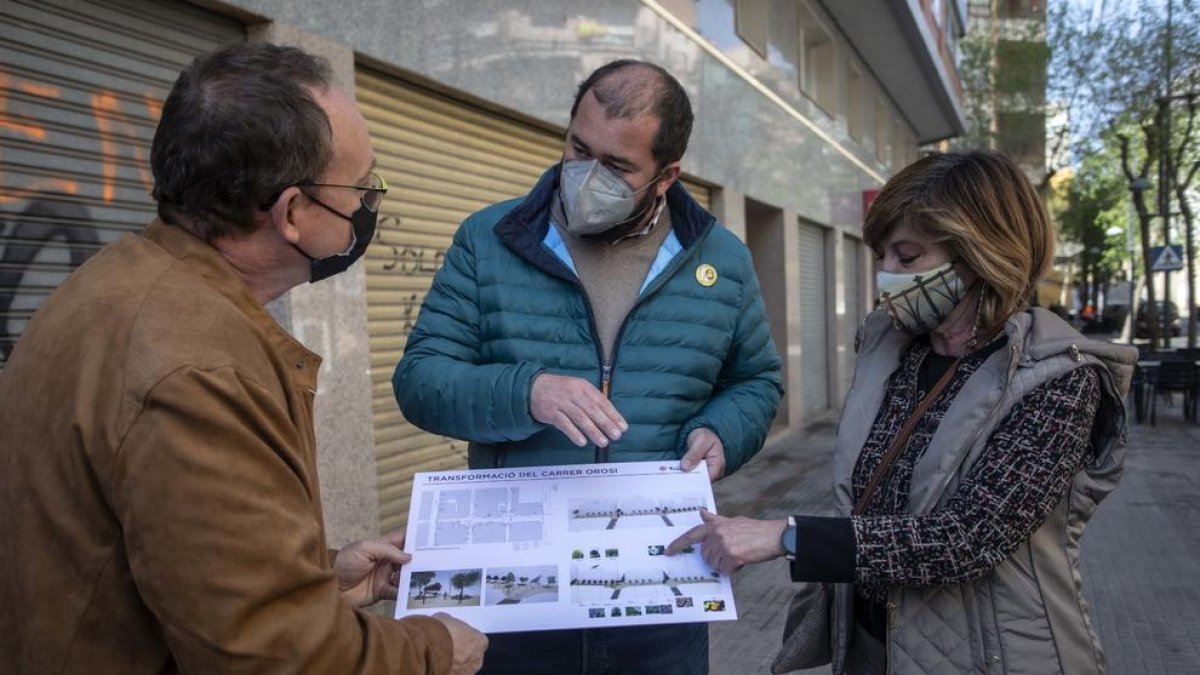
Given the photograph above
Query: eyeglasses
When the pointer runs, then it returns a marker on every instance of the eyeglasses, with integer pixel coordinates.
(373, 191)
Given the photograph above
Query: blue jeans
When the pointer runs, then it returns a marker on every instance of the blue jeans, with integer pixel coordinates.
(675, 649)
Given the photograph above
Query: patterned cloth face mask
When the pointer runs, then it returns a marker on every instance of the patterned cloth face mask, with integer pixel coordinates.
(919, 302)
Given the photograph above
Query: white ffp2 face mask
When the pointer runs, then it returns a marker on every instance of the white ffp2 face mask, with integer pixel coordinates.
(919, 302)
(594, 198)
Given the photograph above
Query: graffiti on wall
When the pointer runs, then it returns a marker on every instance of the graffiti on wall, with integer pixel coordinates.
(46, 220)
(46, 226)
(404, 258)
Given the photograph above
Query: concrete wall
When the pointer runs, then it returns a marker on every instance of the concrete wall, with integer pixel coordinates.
(331, 319)
(529, 56)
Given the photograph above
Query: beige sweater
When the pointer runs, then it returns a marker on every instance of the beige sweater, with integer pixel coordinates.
(613, 274)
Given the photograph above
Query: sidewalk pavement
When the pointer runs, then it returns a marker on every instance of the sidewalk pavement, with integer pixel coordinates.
(1141, 551)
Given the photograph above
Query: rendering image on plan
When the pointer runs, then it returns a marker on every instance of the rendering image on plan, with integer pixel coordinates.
(633, 512)
(520, 585)
(485, 515)
(657, 581)
(444, 588)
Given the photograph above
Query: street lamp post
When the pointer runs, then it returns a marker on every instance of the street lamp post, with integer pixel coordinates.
(1131, 279)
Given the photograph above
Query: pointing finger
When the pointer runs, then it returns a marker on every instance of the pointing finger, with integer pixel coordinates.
(692, 536)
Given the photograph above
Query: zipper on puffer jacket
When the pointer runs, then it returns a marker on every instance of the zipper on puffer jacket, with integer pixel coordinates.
(601, 454)
(606, 369)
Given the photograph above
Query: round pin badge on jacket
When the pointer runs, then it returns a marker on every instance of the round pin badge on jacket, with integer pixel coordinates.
(706, 275)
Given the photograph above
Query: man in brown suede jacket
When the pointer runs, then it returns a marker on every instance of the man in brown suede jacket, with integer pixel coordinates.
(159, 503)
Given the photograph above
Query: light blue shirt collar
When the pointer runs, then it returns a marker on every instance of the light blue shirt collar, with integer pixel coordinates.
(669, 249)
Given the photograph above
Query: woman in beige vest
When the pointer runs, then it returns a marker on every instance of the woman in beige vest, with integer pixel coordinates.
(975, 442)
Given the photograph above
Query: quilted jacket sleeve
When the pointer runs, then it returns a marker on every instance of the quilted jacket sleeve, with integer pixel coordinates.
(750, 385)
(440, 383)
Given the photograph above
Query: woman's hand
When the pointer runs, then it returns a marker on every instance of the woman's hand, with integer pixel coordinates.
(729, 543)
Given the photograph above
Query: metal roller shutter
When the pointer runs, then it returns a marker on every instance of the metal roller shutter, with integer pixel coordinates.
(699, 191)
(445, 159)
(814, 343)
(81, 87)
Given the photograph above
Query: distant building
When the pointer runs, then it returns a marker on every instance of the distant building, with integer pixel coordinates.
(1006, 45)
(1005, 60)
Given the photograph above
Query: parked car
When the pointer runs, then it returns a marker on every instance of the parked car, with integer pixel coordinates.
(1112, 319)
(1142, 324)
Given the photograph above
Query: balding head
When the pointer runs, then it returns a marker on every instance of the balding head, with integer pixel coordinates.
(628, 89)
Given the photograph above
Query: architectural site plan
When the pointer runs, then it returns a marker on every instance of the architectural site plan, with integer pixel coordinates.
(580, 546)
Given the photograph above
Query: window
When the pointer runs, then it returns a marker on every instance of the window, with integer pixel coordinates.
(783, 42)
(750, 19)
(817, 63)
(855, 99)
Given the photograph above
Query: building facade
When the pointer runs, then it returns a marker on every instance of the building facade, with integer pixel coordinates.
(803, 109)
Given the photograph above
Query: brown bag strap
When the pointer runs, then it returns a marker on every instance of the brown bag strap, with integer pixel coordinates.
(901, 438)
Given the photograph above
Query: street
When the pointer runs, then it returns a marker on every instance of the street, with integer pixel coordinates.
(1141, 556)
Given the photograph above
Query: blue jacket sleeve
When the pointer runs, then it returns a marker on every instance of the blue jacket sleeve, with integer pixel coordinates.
(749, 388)
(440, 383)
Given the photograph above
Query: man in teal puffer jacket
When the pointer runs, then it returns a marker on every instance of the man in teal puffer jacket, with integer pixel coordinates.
(604, 317)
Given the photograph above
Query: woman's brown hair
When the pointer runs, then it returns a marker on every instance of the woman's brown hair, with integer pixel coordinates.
(984, 210)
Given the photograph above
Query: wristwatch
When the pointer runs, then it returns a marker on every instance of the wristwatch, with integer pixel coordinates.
(788, 539)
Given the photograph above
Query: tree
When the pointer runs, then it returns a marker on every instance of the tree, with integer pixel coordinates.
(1185, 166)
(463, 581)
(418, 581)
(1091, 205)
(1122, 64)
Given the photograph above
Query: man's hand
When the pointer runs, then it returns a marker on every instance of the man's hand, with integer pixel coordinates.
(703, 443)
(576, 408)
(729, 543)
(469, 645)
(367, 571)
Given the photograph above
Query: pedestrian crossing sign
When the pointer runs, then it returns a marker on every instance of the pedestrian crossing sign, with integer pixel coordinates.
(1166, 258)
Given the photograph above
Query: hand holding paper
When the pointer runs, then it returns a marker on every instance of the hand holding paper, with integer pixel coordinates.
(367, 570)
(703, 445)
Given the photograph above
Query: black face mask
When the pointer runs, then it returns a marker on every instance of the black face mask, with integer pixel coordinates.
(362, 223)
